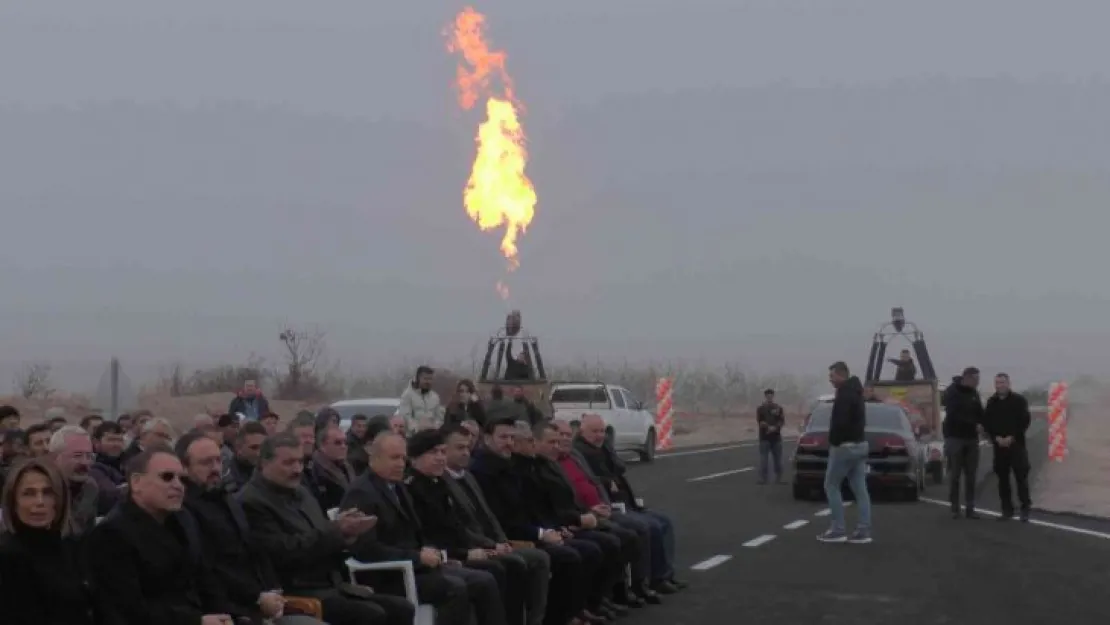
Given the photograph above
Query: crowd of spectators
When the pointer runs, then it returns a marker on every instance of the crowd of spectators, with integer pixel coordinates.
(501, 517)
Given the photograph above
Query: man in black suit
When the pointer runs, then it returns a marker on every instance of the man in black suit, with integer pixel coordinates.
(145, 559)
(483, 526)
(442, 522)
(578, 566)
(443, 582)
(306, 549)
(1006, 419)
(237, 563)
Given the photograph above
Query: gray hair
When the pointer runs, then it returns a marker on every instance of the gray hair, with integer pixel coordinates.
(202, 419)
(154, 422)
(58, 439)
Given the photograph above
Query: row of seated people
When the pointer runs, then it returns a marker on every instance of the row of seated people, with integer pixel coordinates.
(507, 537)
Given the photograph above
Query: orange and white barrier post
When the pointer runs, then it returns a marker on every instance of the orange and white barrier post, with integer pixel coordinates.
(664, 413)
(1058, 421)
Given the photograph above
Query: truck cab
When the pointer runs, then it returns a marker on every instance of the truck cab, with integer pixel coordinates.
(630, 426)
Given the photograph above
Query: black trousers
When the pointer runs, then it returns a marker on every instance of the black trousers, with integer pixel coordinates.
(511, 574)
(573, 573)
(599, 568)
(1012, 460)
(620, 548)
(963, 460)
(378, 610)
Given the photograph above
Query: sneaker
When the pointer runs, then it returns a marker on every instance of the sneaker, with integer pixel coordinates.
(833, 536)
(860, 537)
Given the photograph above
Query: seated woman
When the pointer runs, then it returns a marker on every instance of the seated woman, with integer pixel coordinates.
(40, 579)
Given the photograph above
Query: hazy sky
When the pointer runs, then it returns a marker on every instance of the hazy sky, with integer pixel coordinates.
(751, 181)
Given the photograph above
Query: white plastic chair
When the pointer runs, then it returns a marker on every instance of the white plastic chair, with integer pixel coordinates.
(425, 613)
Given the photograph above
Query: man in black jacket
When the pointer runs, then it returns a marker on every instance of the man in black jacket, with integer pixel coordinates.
(578, 566)
(771, 419)
(610, 472)
(848, 453)
(145, 560)
(444, 523)
(238, 564)
(963, 422)
(399, 535)
(306, 549)
(485, 529)
(1005, 420)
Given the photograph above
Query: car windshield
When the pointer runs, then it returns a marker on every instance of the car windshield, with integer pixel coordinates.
(369, 409)
(881, 417)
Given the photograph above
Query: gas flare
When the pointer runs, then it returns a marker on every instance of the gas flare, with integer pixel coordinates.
(498, 192)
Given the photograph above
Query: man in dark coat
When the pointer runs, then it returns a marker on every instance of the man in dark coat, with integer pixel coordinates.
(770, 418)
(330, 474)
(307, 550)
(848, 451)
(963, 422)
(239, 565)
(1006, 418)
(443, 521)
(578, 566)
(610, 471)
(107, 469)
(145, 559)
(399, 535)
(486, 531)
(250, 402)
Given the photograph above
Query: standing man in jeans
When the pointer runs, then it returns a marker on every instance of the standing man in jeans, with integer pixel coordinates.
(771, 419)
(847, 457)
(1006, 419)
(963, 422)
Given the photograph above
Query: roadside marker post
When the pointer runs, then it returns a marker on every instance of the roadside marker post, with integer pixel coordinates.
(664, 413)
(1058, 421)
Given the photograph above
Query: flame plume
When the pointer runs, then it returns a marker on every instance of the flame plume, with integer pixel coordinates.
(498, 192)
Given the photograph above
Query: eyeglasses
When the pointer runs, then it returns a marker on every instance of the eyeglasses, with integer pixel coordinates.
(168, 477)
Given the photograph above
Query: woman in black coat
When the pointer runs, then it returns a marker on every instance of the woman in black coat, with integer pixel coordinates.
(41, 582)
(467, 406)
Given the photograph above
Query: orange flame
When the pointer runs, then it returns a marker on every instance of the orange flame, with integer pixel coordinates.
(498, 192)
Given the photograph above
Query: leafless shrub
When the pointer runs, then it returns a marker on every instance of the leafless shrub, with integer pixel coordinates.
(33, 381)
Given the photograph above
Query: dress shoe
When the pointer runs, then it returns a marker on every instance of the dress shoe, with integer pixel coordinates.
(1024, 516)
(664, 587)
(594, 619)
(973, 515)
(616, 608)
(651, 597)
(680, 585)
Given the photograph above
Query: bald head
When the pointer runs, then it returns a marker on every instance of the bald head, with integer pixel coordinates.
(592, 430)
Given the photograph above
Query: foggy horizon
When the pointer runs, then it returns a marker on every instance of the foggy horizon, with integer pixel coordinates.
(750, 182)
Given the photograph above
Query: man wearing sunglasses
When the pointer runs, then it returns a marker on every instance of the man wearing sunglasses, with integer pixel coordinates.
(145, 559)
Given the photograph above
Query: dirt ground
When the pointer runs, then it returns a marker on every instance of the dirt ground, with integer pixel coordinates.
(701, 429)
(1079, 484)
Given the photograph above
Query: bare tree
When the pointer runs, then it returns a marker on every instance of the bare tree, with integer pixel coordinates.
(172, 379)
(304, 352)
(33, 381)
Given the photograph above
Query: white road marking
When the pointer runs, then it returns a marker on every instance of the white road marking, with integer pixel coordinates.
(710, 450)
(1056, 526)
(705, 565)
(721, 474)
(760, 540)
(793, 525)
(825, 512)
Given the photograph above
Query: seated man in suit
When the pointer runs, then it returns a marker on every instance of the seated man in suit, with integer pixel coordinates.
(555, 492)
(145, 559)
(330, 474)
(238, 565)
(444, 583)
(482, 525)
(579, 570)
(610, 470)
(443, 526)
(306, 549)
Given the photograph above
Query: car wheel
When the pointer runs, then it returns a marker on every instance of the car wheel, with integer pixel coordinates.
(647, 454)
(800, 493)
(913, 494)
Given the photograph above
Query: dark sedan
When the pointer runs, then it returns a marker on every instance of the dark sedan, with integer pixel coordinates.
(896, 459)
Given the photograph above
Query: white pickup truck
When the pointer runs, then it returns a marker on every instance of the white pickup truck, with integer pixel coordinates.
(629, 425)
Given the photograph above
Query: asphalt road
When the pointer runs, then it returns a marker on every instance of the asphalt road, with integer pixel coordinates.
(751, 555)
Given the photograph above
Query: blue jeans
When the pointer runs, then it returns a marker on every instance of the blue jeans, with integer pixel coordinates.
(662, 543)
(773, 450)
(848, 460)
